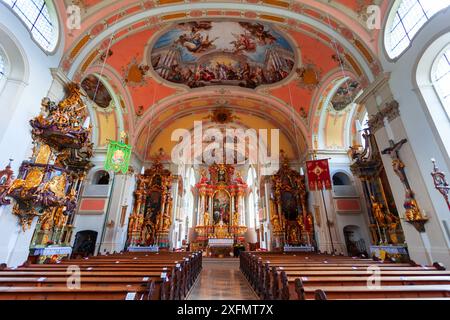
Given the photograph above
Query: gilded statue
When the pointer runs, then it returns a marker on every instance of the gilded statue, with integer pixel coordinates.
(275, 221)
(59, 218)
(293, 235)
(377, 211)
(33, 179)
(236, 219)
(204, 176)
(206, 219)
(46, 220)
(43, 155)
(300, 222)
(167, 222)
(57, 185)
(392, 222)
(412, 209)
(16, 184)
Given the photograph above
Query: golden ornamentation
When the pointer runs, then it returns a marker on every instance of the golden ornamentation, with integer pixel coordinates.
(206, 219)
(43, 155)
(57, 185)
(25, 217)
(33, 179)
(378, 212)
(236, 219)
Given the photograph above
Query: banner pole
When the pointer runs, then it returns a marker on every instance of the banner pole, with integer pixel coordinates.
(328, 221)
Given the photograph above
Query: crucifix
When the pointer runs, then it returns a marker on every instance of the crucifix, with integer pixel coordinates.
(412, 213)
(397, 163)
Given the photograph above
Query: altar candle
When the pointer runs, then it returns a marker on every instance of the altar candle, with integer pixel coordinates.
(143, 170)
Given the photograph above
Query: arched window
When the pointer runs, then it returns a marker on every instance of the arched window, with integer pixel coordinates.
(440, 76)
(3, 69)
(35, 14)
(341, 179)
(409, 18)
(2, 66)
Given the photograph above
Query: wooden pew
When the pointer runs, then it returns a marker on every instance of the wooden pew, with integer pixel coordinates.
(279, 276)
(118, 276)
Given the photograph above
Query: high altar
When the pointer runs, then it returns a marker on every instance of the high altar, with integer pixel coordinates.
(220, 215)
(150, 222)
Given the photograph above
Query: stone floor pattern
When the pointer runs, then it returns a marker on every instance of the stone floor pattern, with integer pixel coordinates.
(221, 279)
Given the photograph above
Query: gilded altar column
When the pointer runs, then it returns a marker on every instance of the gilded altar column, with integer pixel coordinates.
(241, 207)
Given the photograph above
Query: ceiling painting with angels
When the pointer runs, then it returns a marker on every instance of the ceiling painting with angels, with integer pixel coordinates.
(236, 53)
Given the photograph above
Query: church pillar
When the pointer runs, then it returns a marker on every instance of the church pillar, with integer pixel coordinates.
(176, 221)
(119, 208)
(387, 123)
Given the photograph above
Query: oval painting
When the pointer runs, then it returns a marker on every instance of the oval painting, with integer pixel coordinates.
(208, 53)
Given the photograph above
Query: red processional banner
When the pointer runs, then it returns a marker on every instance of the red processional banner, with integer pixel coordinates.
(318, 172)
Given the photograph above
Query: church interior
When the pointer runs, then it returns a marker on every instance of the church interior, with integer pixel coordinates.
(224, 150)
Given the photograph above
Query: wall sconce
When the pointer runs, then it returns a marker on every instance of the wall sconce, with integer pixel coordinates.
(440, 182)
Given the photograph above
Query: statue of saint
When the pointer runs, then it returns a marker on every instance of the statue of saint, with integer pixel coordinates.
(378, 212)
(236, 219)
(206, 219)
(392, 222)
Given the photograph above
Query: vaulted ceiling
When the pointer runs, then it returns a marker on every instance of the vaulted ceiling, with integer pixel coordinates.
(329, 39)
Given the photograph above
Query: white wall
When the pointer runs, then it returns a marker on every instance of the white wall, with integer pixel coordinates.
(424, 142)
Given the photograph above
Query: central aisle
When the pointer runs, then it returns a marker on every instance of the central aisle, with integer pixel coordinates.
(221, 279)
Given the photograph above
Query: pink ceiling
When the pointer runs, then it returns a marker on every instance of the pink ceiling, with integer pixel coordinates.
(146, 89)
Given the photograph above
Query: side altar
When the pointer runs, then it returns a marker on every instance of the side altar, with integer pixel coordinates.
(150, 221)
(220, 215)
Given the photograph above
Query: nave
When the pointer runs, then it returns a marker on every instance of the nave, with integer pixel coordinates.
(221, 279)
(243, 149)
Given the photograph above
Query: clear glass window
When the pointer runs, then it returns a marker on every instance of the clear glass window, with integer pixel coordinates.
(36, 16)
(441, 78)
(410, 17)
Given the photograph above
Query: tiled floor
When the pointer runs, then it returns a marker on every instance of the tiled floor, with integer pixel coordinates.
(221, 279)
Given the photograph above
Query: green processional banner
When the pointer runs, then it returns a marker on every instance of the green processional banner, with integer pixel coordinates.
(118, 157)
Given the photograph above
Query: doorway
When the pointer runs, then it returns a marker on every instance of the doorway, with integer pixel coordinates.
(84, 244)
(354, 242)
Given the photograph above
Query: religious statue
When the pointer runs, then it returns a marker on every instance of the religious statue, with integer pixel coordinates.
(412, 210)
(300, 222)
(236, 219)
(392, 222)
(275, 221)
(293, 236)
(204, 176)
(239, 179)
(378, 212)
(206, 219)
(221, 174)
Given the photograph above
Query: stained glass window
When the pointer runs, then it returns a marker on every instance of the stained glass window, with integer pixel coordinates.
(36, 16)
(410, 17)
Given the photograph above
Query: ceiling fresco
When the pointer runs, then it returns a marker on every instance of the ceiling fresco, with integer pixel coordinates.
(96, 91)
(234, 50)
(237, 53)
